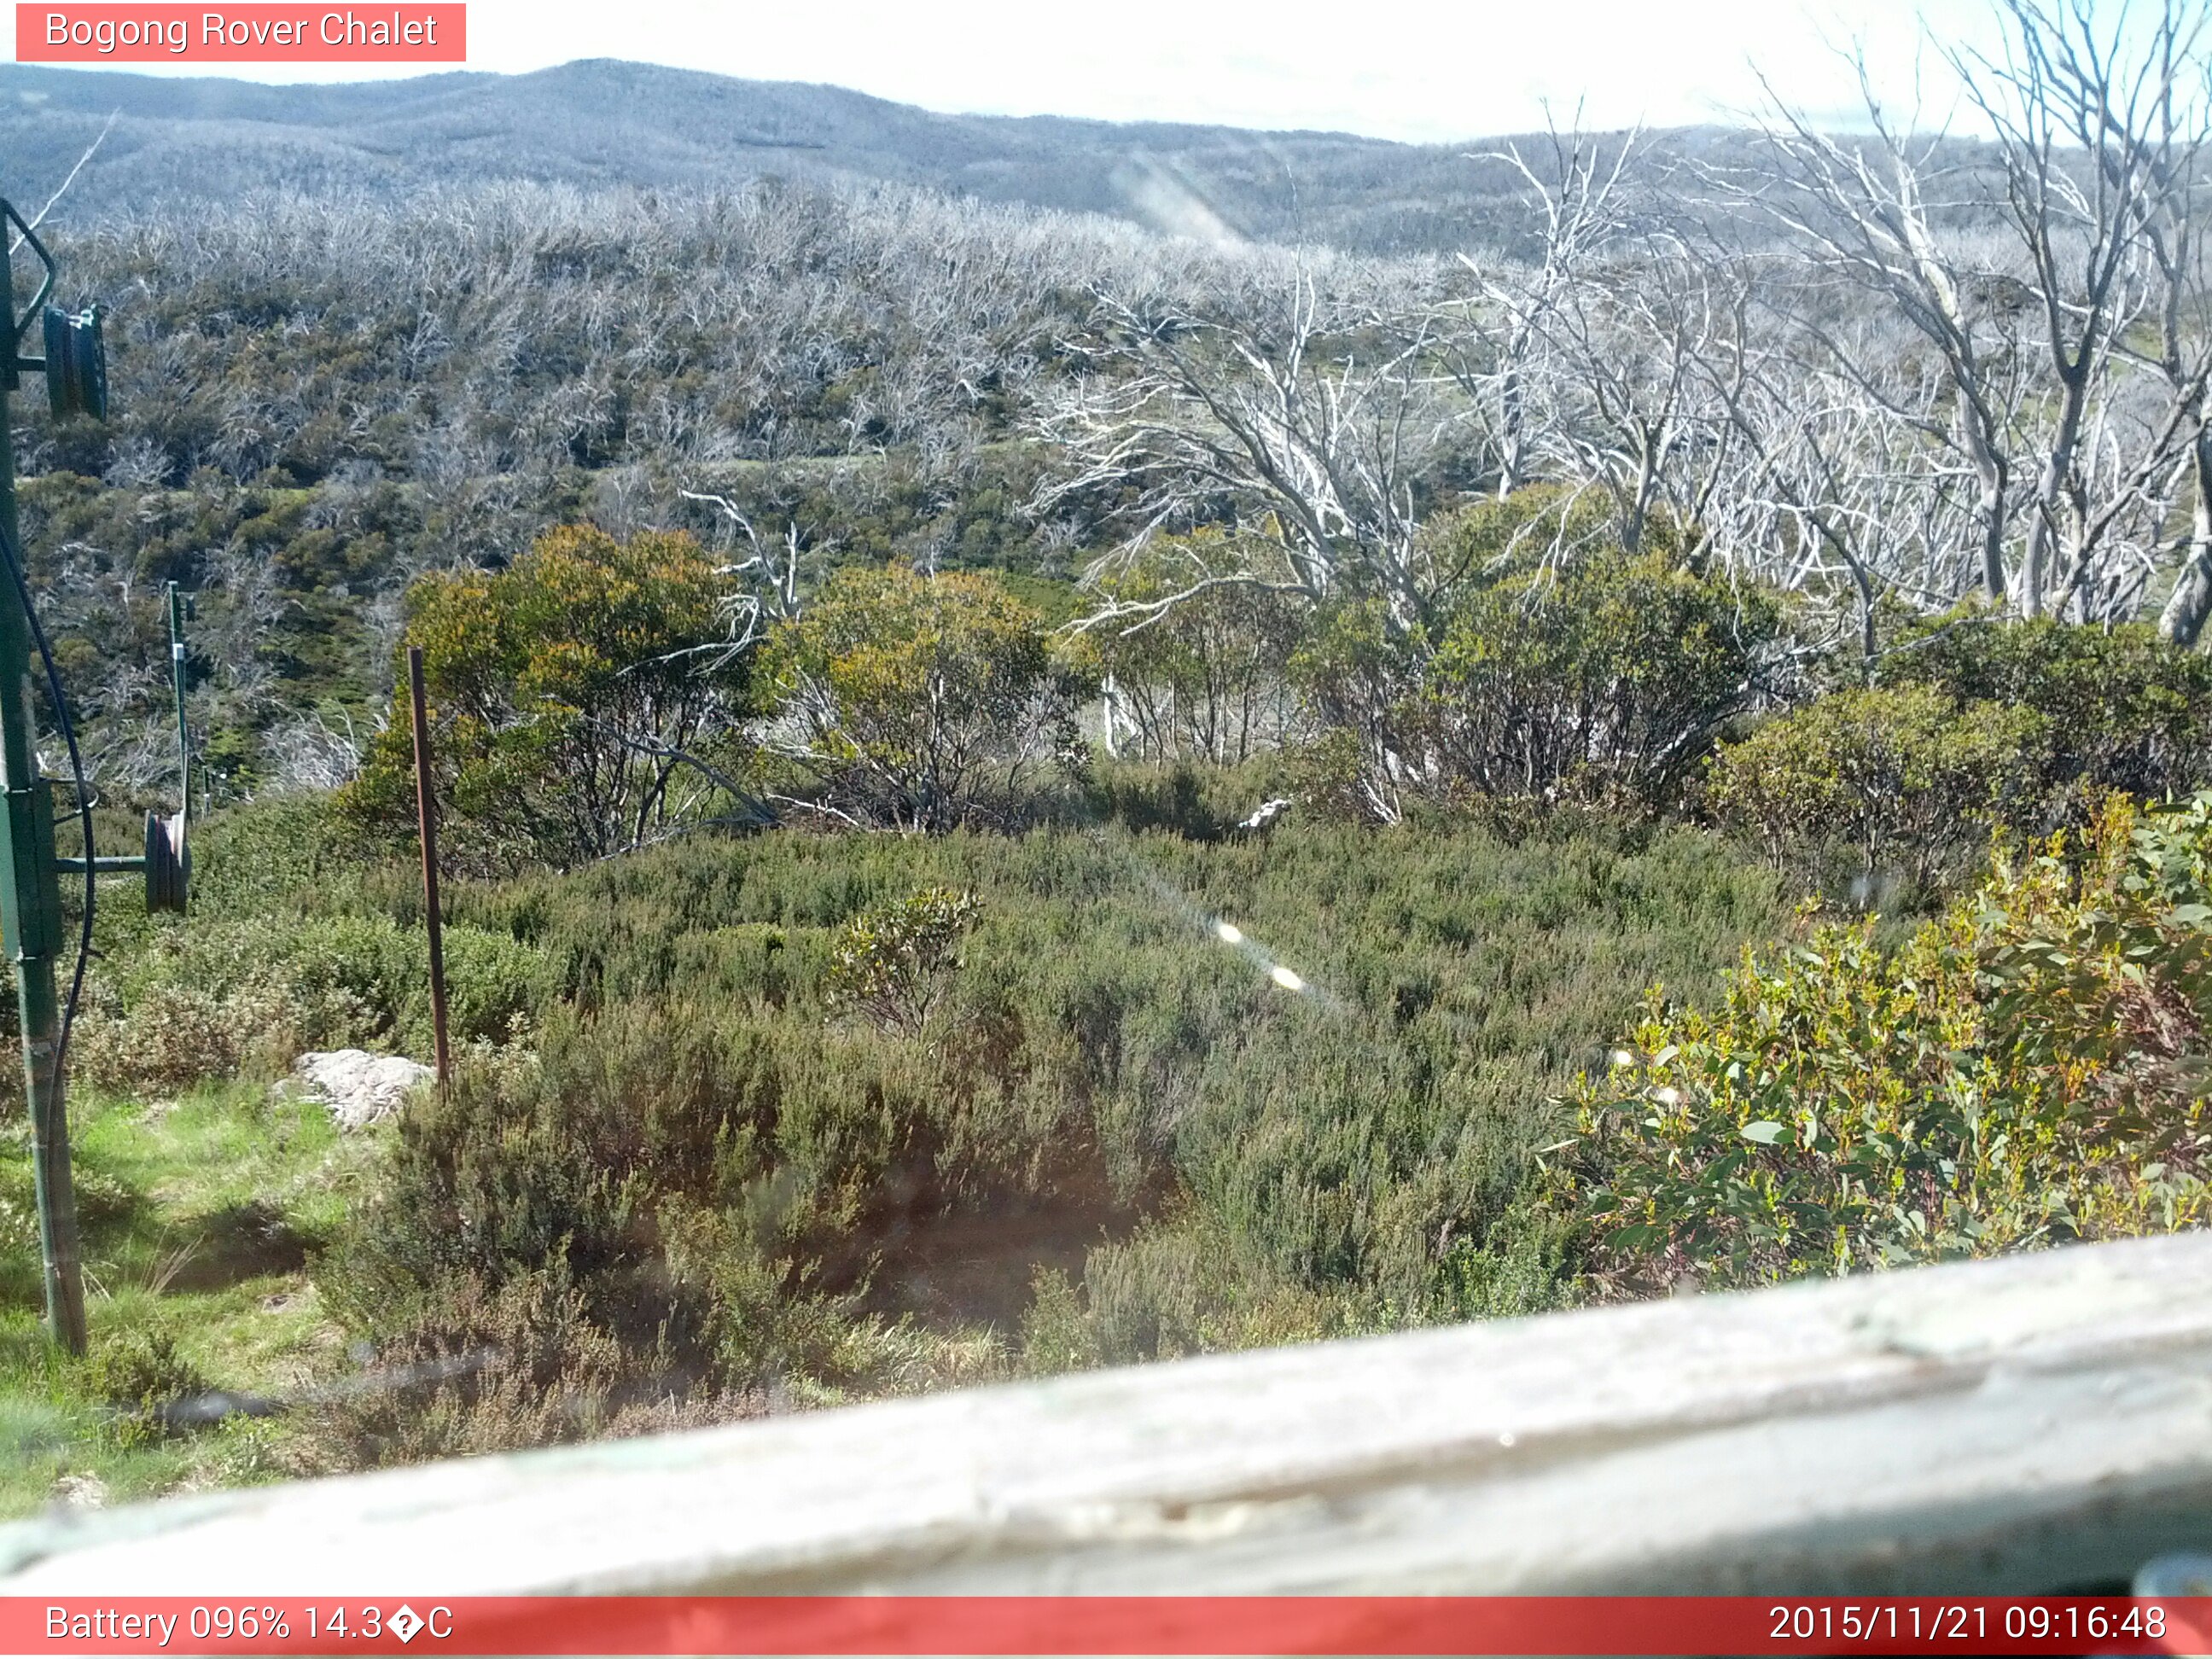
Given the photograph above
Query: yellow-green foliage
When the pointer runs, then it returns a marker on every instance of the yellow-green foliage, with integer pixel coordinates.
(226, 997)
(1907, 777)
(2030, 1068)
(2124, 709)
(1611, 675)
(560, 690)
(144, 1377)
(1207, 677)
(1555, 666)
(892, 962)
(711, 1184)
(916, 693)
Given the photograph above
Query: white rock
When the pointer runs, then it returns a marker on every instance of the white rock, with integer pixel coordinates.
(358, 1087)
(81, 1491)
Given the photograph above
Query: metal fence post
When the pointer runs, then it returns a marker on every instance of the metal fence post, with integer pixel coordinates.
(427, 815)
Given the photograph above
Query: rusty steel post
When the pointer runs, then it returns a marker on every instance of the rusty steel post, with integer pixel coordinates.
(426, 814)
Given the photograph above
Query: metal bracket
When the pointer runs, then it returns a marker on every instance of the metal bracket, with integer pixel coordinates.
(167, 864)
(10, 362)
(27, 927)
(75, 364)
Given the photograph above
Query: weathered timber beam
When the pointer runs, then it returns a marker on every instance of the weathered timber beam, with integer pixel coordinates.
(2027, 1425)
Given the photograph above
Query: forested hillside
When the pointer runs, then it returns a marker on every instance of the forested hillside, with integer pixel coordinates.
(179, 144)
(1020, 791)
(605, 123)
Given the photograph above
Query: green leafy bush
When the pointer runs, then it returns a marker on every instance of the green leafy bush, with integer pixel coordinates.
(570, 696)
(709, 1186)
(274, 856)
(1207, 677)
(1609, 678)
(673, 1206)
(892, 962)
(1361, 682)
(1557, 668)
(2032, 1067)
(221, 999)
(917, 695)
(1906, 778)
(2124, 709)
(1172, 1290)
(144, 1377)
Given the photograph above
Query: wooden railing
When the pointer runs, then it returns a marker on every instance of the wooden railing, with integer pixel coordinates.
(2023, 1426)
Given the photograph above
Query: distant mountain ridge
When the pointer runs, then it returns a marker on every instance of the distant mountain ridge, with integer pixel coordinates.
(604, 122)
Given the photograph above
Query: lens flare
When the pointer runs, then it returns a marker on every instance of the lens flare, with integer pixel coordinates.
(1284, 977)
(1228, 932)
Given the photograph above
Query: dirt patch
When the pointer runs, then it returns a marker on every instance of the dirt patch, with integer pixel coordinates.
(974, 1264)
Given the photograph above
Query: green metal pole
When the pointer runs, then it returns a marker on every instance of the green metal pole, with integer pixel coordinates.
(31, 910)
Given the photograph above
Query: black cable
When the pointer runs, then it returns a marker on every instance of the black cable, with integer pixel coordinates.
(13, 557)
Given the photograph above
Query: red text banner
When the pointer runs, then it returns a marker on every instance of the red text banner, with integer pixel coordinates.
(309, 33)
(1100, 1626)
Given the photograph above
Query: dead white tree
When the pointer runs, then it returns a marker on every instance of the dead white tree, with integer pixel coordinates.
(1845, 486)
(1862, 208)
(1648, 350)
(2098, 136)
(767, 591)
(2078, 438)
(1297, 406)
(1498, 352)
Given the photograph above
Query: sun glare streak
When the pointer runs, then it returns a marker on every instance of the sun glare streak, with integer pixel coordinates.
(1227, 933)
(1230, 934)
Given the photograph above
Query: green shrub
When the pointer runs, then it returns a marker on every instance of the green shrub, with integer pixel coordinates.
(1609, 678)
(2124, 709)
(1196, 802)
(2030, 1068)
(1207, 678)
(143, 1376)
(1905, 778)
(490, 1368)
(564, 692)
(892, 962)
(1360, 680)
(272, 856)
(708, 1172)
(1170, 1291)
(673, 1204)
(222, 998)
(1557, 669)
(919, 695)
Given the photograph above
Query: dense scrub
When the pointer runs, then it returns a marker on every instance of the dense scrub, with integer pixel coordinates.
(1493, 644)
(314, 404)
(1973, 725)
(1105, 1095)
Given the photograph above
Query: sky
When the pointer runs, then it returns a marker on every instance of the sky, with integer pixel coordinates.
(1421, 70)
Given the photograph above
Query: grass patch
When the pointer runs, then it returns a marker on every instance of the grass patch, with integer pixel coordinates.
(198, 1216)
